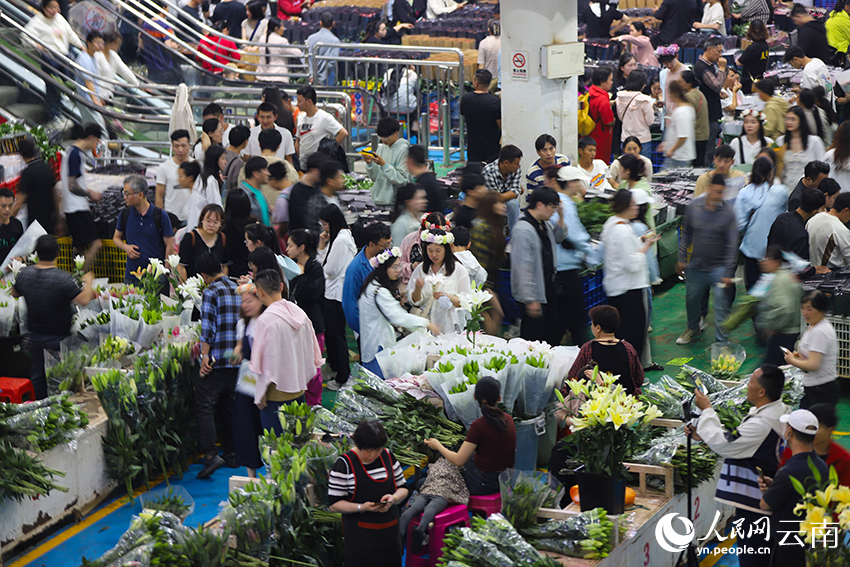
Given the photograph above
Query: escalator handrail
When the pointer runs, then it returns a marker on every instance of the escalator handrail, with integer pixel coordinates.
(173, 37)
(60, 85)
(189, 29)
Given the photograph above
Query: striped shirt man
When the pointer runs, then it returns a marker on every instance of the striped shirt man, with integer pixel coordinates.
(536, 175)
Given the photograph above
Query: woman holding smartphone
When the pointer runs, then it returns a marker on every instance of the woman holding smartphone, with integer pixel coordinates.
(816, 353)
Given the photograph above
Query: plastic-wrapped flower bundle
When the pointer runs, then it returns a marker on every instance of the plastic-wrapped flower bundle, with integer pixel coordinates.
(586, 535)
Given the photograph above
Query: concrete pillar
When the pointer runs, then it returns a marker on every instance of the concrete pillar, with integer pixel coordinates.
(538, 105)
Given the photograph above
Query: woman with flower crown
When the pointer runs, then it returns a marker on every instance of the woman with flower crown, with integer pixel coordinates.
(381, 310)
(436, 283)
(752, 141)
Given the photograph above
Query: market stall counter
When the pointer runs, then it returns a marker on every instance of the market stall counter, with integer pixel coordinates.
(82, 461)
(640, 546)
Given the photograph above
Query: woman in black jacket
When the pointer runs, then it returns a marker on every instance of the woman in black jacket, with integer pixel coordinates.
(754, 60)
(308, 292)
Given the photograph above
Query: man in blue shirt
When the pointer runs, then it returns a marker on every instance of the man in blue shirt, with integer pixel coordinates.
(569, 296)
(85, 59)
(325, 68)
(215, 389)
(378, 238)
(147, 229)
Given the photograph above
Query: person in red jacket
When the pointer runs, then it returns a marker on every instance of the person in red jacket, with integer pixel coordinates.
(290, 8)
(601, 112)
(219, 49)
(833, 454)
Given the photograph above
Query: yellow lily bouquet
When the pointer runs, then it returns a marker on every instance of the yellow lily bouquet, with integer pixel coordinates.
(605, 427)
(826, 523)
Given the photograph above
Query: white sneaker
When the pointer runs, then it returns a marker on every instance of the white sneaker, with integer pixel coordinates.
(703, 324)
(333, 386)
(686, 337)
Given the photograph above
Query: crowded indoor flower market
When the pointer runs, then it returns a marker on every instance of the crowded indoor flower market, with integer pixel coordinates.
(281, 284)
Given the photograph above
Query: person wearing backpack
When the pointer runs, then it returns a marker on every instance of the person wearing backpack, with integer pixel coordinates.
(146, 228)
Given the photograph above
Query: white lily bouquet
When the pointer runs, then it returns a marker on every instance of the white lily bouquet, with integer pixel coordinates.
(473, 302)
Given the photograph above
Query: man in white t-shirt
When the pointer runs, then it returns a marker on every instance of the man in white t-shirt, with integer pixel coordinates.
(815, 71)
(829, 237)
(314, 125)
(266, 115)
(594, 171)
(76, 195)
(170, 197)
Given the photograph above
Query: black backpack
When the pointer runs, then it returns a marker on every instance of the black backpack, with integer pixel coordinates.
(157, 220)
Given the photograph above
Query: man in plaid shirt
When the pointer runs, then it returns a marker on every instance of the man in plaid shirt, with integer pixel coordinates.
(503, 176)
(219, 314)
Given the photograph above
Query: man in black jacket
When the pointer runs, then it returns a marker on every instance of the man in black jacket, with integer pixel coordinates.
(677, 17)
(811, 34)
(710, 71)
(788, 231)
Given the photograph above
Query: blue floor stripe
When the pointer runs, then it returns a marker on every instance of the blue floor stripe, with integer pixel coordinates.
(100, 537)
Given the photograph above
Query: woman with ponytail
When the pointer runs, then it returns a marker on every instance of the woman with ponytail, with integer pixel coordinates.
(273, 63)
(258, 235)
(490, 444)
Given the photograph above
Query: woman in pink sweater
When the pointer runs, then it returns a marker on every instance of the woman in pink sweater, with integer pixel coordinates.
(642, 50)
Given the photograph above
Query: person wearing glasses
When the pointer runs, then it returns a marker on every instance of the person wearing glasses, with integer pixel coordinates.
(387, 167)
(206, 237)
(143, 230)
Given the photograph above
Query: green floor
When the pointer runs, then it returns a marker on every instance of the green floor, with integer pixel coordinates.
(668, 322)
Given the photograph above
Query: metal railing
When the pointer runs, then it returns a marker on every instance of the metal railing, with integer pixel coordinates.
(373, 74)
(426, 89)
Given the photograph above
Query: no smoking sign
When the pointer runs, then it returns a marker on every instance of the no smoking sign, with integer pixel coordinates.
(519, 65)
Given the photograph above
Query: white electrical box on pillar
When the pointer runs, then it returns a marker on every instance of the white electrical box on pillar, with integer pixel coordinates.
(531, 103)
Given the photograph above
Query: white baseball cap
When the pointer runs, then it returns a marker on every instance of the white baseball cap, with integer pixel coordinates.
(641, 197)
(571, 173)
(801, 420)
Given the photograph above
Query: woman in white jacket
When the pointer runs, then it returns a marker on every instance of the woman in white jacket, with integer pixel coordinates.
(336, 250)
(112, 67)
(626, 271)
(51, 35)
(436, 282)
(400, 96)
(273, 65)
(381, 310)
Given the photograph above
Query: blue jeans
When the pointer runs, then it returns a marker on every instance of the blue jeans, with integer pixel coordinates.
(698, 286)
(646, 150)
(268, 415)
(513, 212)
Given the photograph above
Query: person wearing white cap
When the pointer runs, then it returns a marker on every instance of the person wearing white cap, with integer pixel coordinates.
(779, 495)
(569, 259)
(626, 275)
(643, 199)
(755, 444)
